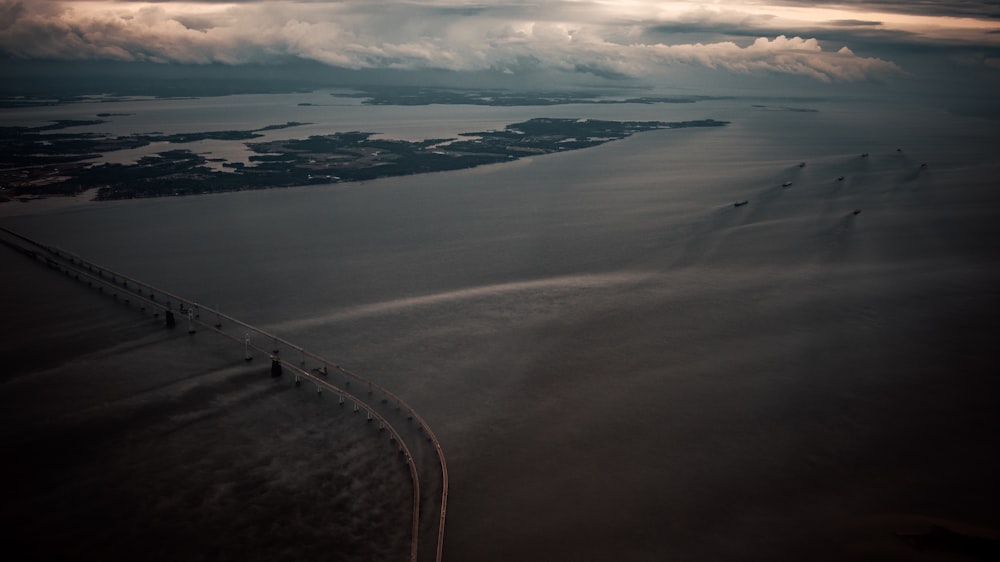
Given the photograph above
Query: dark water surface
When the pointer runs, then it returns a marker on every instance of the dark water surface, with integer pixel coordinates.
(619, 363)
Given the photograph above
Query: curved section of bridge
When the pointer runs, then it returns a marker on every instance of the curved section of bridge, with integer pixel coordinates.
(378, 403)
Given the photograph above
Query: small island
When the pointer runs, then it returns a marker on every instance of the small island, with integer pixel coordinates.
(36, 165)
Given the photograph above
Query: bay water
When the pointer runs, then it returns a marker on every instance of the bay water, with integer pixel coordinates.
(621, 364)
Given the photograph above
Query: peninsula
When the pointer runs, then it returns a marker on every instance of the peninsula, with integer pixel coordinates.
(38, 162)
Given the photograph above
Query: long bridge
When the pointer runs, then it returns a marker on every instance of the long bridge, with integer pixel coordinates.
(428, 469)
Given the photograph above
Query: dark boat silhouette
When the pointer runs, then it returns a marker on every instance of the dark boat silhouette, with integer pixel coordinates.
(786, 184)
(740, 203)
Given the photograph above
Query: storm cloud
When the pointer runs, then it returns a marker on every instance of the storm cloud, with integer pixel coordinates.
(610, 40)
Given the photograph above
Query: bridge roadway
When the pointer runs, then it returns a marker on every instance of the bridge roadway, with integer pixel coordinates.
(428, 471)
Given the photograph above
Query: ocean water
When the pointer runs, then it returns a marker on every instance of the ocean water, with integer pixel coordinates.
(619, 363)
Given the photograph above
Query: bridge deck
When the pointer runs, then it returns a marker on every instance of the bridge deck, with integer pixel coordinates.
(417, 443)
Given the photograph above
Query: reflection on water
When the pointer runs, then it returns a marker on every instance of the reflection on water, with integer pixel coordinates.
(452, 298)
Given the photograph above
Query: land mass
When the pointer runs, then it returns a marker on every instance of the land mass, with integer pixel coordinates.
(37, 164)
(412, 95)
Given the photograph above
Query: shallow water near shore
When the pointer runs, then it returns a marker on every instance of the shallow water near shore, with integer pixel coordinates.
(619, 363)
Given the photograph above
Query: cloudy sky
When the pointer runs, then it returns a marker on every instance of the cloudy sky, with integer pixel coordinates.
(844, 42)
